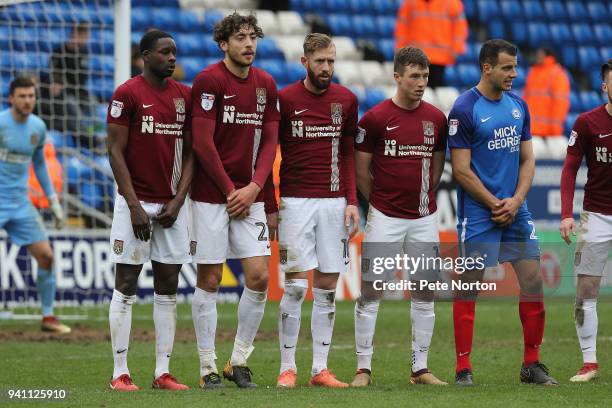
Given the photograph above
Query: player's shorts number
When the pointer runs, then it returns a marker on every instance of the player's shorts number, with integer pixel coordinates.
(262, 234)
(533, 231)
(345, 245)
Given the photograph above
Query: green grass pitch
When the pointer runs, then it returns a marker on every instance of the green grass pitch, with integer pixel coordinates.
(82, 365)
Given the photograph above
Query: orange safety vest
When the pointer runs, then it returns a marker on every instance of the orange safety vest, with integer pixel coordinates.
(438, 27)
(546, 92)
(37, 195)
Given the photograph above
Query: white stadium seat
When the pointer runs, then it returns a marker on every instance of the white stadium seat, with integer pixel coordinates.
(346, 50)
(430, 97)
(540, 148)
(557, 147)
(446, 97)
(348, 73)
(291, 23)
(292, 46)
(268, 22)
(372, 73)
(389, 90)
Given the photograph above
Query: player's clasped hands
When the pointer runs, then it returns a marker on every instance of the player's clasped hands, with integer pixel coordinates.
(567, 227)
(169, 213)
(505, 210)
(239, 201)
(141, 224)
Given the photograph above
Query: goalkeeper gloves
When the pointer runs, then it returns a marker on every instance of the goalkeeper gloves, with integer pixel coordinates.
(58, 213)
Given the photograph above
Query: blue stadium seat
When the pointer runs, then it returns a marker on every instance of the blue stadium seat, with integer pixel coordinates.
(101, 63)
(211, 49)
(387, 47)
(595, 78)
(570, 119)
(359, 93)
(468, 74)
(276, 68)
(560, 34)
(569, 56)
(297, 5)
(534, 10)
(606, 52)
(77, 171)
(384, 7)
(386, 26)
(590, 100)
(487, 10)
(469, 9)
(340, 24)
(141, 18)
(102, 87)
(362, 7)
(555, 10)
(588, 57)
(511, 10)
(583, 34)
(192, 66)
(337, 6)
(597, 12)
(575, 102)
(496, 28)
(577, 11)
(451, 77)
(373, 96)
(189, 44)
(212, 17)
(92, 195)
(538, 34)
(471, 53)
(20, 61)
(519, 32)
(267, 49)
(521, 77)
(189, 22)
(165, 19)
(602, 34)
(102, 42)
(159, 3)
(364, 26)
(295, 71)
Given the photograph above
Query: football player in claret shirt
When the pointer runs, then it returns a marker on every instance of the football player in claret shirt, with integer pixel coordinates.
(591, 137)
(493, 164)
(318, 207)
(399, 161)
(235, 122)
(149, 145)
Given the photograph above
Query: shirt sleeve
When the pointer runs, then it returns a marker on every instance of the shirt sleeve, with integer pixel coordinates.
(205, 96)
(526, 133)
(122, 107)
(579, 138)
(460, 127)
(272, 112)
(367, 133)
(40, 165)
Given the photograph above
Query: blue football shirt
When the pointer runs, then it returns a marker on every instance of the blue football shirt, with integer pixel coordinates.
(493, 130)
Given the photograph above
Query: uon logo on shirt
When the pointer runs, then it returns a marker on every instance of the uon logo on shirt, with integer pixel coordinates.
(516, 114)
(428, 132)
(116, 108)
(147, 124)
(390, 147)
(207, 101)
(453, 125)
(336, 113)
(297, 128)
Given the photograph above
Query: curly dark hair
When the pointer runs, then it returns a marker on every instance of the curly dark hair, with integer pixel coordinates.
(232, 24)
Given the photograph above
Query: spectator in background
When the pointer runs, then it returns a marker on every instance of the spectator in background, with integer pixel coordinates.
(547, 92)
(137, 61)
(438, 27)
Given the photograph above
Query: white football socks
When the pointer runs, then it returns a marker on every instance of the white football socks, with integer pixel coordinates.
(250, 312)
(204, 314)
(366, 312)
(164, 317)
(120, 320)
(423, 318)
(322, 326)
(290, 312)
(587, 331)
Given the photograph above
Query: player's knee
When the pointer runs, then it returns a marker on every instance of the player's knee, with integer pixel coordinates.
(259, 281)
(127, 283)
(45, 259)
(166, 285)
(211, 283)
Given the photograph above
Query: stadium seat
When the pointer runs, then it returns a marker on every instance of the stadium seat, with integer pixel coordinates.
(577, 11)
(364, 26)
(521, 76)
(77, 171)
(276, 68)
(190, 22)
(583, 35)
(363, 7)
(496, 29)
(292, 46)
(211, 48)
(487, 10)
(569, 122)
(595, 79)
(557, 147)
(590, 100)
(519, 32)
(540, 149)
(267, 49)
(537, 33)
(511, 10)
(268, 22)
(297, 5)
(372, 74)
(534, 10)
(101, 63)
(102, 42)
(291, 23)
(588, 57)
(386, 26)
(555, 10)
(345, 49)
(347, 72)
(373, 96)
(430, 96)
(575, 102)
(384, 7)
(468, 74)
(602, 34)
(335, 6)
(471, 53)
(388, 90)
(359, 92)
(294, 72)
(469, 9)
(450, 76)
(165, 18)
(340, 24)
(192, 66)
(560, 34)
(446, 96)
(189, 44)
(212, 17)
(141, 18)
(597, 12)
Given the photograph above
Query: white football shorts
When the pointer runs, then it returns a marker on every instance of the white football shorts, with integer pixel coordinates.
(218, 237)
(594, 243)
(312, 235)
(167, 245)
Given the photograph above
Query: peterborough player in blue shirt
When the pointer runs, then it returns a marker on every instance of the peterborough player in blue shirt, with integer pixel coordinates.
(493, 163)
(22, 138)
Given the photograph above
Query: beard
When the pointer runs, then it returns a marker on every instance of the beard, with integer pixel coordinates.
(319, 84)
(236, 61)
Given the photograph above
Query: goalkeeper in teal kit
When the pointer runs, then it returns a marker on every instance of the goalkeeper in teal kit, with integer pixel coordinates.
(22, 138)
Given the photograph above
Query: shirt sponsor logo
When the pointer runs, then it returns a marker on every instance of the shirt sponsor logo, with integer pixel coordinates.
(516, 114)
(336, 113)
(453, 125)
(602, 155)
(572, 138)
(361, 132)
(179, 105)
(207, 101)
(506, 137)
(116, 108)
(261, 95)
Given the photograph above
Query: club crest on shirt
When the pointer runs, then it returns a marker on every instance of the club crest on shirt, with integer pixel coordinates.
(179, 105)
(193, 245)
(118, 247)
(261, 95)
(33, 139)
(572, 138)
(516, 114)
(361, 132)
(336, 113)
(207, 101)
(116, 108)
(283, 256)
(453, 125)
(428, 128)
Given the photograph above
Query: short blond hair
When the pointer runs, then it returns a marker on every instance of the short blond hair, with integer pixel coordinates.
(316, 41)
